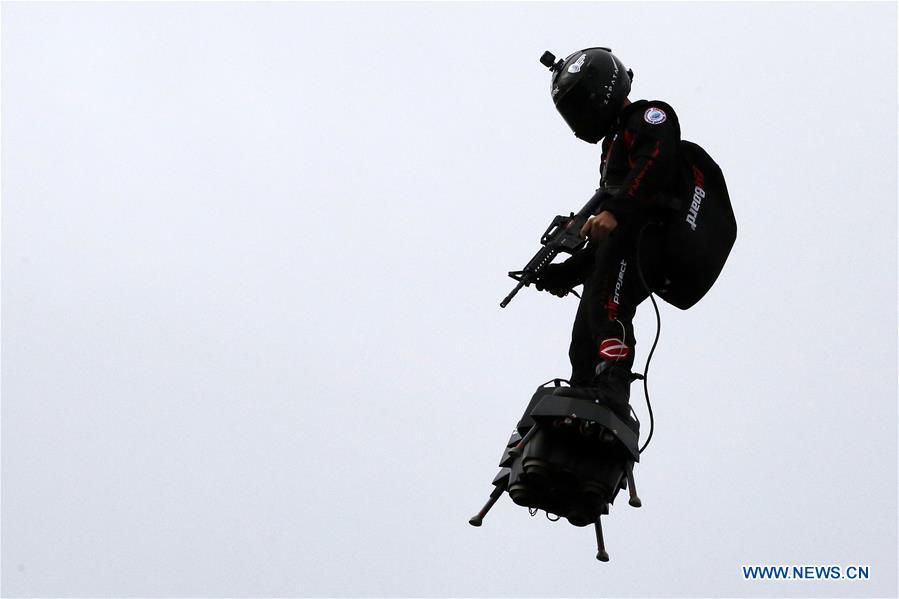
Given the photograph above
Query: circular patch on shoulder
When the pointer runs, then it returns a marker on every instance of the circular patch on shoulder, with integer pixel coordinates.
(655, 116)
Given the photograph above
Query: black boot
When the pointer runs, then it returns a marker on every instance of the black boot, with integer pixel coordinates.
(611, 387)
(614, 385)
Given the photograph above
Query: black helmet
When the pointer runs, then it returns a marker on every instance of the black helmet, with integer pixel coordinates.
(589, 88)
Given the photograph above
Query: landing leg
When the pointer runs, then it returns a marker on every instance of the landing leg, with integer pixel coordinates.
(601, 553)
(634, 501)
(479, 517)
(516, 451)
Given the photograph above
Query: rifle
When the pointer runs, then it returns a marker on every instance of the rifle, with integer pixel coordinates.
(562, 235)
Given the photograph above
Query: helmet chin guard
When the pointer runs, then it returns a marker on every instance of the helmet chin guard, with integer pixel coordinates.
(588, 88)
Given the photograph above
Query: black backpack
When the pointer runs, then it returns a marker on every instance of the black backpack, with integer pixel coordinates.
(700, 233)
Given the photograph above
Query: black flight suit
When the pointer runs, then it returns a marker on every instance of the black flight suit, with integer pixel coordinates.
(639, 168)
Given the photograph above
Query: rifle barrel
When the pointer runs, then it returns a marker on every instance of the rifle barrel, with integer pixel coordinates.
(509, 297)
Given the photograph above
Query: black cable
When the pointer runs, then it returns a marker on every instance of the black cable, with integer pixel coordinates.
(655, 342)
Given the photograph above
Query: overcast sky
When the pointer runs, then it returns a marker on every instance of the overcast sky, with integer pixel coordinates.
(252, 256)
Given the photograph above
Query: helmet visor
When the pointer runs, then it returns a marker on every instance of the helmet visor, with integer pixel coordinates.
(578, 110)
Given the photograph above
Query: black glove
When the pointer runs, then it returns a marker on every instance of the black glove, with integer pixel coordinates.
(559, 279)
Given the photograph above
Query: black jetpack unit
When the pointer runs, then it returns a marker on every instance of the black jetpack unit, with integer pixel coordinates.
(570, 455)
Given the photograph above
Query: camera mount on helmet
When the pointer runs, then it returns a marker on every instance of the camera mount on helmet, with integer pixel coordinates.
(549, 61)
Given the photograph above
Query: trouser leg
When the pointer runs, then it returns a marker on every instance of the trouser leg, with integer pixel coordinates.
(582, 351)
(603, 332)
(589, 322)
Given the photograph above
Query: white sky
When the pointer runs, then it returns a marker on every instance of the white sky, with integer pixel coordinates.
(251, 263)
